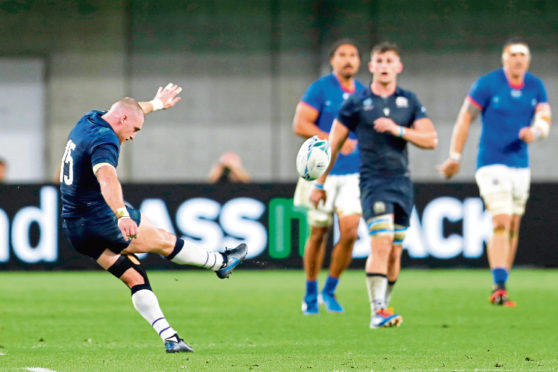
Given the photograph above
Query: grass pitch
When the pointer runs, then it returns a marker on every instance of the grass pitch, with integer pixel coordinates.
(85, 321)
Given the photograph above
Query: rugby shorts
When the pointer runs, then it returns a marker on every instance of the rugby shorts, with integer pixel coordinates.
(343, 198)
(505, 190)
(388, 195)
(92, 234)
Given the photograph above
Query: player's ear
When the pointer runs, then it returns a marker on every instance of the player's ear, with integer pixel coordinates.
(400, 68)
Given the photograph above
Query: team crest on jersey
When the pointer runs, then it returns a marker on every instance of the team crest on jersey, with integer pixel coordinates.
(386, 111)
(327, 103)
(401, 102)
(379, 207)
(515, 93)
(346, 95)
(367, 104)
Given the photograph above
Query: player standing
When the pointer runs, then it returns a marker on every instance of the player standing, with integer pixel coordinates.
(515, 112)
(384, 118)
(313, 117)
(97, 222)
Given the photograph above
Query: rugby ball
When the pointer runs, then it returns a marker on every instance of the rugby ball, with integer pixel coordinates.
(313, 158)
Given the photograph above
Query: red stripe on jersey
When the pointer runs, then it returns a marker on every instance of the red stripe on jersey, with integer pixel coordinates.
(475, 103)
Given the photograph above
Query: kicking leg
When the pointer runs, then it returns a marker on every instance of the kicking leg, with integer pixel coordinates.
(128, 268)
(154, 240)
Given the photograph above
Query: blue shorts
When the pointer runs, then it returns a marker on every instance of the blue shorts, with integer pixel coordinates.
(92, 234)
(387, 195)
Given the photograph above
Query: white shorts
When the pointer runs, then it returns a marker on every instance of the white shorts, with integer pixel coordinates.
(504, 190)
(343, 198)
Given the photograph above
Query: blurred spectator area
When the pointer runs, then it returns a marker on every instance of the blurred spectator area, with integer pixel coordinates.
(244, 66)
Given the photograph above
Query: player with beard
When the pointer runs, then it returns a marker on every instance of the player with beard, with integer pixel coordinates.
(313, 117)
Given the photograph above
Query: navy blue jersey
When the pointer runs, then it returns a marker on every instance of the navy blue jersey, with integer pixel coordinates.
(382, 154)
(326, 95)
(505, 110)
(91, 141)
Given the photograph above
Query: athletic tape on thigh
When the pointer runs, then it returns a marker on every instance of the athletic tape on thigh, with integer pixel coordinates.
(399, 232)
(129, 261)
(380, 225)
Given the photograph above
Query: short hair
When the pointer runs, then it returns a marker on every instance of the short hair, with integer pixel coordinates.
(2, 161)
(514, 40)
(345, 41)
(385, 46)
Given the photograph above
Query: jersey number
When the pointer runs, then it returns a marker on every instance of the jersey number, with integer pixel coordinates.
(68, 179)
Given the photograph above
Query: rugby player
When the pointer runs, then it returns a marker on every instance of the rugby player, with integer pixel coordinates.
(515, 112)
(384, 118)
(100, 225)
(313, 117)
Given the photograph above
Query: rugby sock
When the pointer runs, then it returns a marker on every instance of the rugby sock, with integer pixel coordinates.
(147, 305)
(311, 290)
(389, 289)
(330, 285)
(500, 276)
(187, 253)
(377, 286)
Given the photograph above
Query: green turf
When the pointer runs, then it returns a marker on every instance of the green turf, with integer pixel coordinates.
(84, 321)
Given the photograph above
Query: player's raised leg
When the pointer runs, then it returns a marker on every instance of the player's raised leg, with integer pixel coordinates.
(154, 240)
(341, 257)
(128, 268)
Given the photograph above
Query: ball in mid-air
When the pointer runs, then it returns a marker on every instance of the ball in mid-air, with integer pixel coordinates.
(313, 158)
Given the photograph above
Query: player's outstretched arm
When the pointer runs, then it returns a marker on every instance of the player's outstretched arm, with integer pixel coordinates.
(111, 189)
(337, 137)
(465, 118)
(165, 98)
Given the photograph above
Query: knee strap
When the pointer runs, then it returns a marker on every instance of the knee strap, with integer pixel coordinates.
(129, 261)
(399, 233)
(380, 226)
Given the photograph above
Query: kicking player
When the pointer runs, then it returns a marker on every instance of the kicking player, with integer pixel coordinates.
(314, 115)
(384, 118)
(515, 112)
(97, 222)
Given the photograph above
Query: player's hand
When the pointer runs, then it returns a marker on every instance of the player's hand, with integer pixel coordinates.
(128, 227)
(169, 95)
(449, 168)
(527, 135)
(349, 146)
(316, 195)
(386, 125)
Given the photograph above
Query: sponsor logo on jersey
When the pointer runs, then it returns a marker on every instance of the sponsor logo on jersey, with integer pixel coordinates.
(401, 102)
(367, 104)
(346, 95)
(515, 93)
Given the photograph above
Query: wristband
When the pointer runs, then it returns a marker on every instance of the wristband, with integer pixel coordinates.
(157, 104)
(455, 156)
(319, 186)
(122, 213)
(401, 131)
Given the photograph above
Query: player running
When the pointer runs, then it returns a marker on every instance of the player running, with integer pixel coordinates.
(384, 118)
(515, 112)
(314, 115)
(97, 222)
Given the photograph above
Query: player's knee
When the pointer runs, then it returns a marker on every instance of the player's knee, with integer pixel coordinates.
(501, 224)
(129, 269)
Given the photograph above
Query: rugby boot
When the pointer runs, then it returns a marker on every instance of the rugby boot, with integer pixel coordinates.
(500, 297)
(384, 319)
(330, 302)
(175, 344)
(233, 258)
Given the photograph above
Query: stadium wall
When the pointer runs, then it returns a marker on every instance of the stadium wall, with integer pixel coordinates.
(449, 226)
(245, 64)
